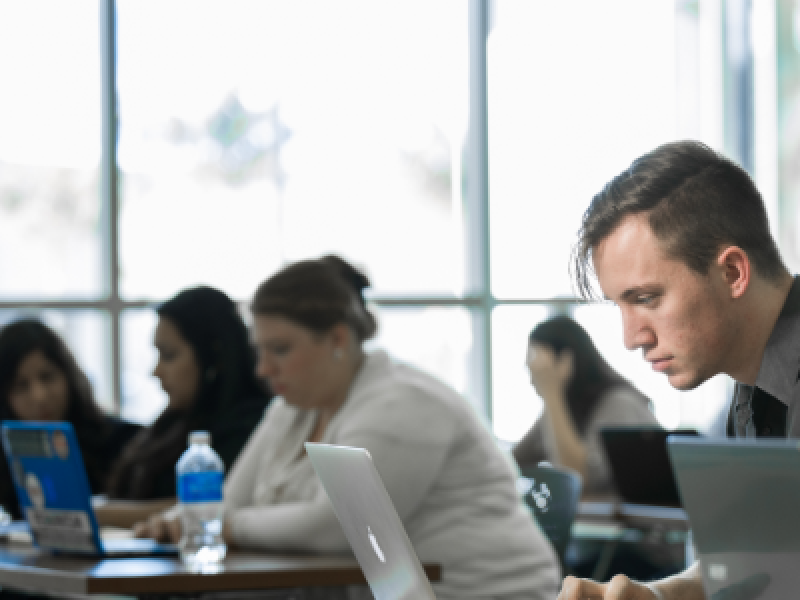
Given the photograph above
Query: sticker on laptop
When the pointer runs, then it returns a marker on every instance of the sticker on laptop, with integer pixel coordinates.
(62, 529)
(60, 444)
(63, 520)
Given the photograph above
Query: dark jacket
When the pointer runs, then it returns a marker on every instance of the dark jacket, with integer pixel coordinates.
(146, 469)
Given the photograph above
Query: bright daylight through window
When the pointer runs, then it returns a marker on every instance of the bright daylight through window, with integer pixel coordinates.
(252, 134)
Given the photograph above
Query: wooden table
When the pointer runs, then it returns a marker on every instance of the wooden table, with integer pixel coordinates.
(26, 568)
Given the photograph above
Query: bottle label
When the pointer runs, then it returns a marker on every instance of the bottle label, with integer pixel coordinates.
(200, 487)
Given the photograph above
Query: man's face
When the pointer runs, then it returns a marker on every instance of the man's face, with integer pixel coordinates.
(682, 321)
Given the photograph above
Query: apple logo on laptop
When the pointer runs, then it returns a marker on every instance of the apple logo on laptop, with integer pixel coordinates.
(373, 540)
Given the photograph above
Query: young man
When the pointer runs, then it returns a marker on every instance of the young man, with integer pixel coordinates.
(680, 242)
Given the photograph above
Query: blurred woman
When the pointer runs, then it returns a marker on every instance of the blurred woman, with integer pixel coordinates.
(206, 366)
(452, 487)
(40, 380)
(581, 395)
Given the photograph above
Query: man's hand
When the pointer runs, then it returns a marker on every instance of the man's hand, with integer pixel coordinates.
(159, 528)
(619, 588)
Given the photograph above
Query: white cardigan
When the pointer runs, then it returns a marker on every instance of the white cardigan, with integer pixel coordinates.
(452, 487)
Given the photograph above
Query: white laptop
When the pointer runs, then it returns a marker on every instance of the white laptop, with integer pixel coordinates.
(370, 522)
(743, 500)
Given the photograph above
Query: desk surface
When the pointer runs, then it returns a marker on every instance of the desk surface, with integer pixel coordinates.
(635, 515)
(30, 569)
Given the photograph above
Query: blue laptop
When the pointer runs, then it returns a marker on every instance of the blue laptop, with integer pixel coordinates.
(54, 494)
(742, 497)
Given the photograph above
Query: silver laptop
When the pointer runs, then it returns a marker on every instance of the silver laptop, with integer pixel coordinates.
(370, 522)
(743, 500)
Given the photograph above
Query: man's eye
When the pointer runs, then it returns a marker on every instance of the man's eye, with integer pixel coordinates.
(646, 299)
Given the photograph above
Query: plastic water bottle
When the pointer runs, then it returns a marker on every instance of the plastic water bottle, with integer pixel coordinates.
(200, 475)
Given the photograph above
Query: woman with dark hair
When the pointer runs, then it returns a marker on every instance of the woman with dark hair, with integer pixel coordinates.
(452, 487)
(206, 366)
(581, 395)
(40, 380)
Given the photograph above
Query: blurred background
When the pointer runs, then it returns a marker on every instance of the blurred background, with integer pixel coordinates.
(448, 147)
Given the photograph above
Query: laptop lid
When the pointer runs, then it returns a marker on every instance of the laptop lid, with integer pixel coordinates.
(743, 498)
(370, 522)
(640, 465)
(54, 494)
(51, 484)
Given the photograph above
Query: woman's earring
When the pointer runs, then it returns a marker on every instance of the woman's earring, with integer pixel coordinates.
(338, 354)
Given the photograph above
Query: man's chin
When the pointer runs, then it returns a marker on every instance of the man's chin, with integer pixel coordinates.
(685, 381)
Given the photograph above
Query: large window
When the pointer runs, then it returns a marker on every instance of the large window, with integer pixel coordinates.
(51, 229)
(274, 131)
(49, 150)
(577, 89)
(449, 148)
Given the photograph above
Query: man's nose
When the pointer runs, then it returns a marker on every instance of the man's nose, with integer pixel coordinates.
(637, 332)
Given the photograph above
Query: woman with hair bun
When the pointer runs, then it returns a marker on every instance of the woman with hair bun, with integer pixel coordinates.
(451, 485)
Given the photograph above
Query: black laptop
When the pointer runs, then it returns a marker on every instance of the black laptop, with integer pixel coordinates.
(742, 498)
(640, 464)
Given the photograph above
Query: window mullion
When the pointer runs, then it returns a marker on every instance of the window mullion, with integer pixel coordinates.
(109, 189)
(477, 210)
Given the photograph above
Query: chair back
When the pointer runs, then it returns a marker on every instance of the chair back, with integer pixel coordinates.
(553, 495)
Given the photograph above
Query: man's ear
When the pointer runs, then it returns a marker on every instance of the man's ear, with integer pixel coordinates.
(734, 266)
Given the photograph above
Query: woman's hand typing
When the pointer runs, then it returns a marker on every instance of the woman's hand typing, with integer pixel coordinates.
(160, 528)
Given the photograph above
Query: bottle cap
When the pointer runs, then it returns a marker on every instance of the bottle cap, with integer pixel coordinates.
(200, 437)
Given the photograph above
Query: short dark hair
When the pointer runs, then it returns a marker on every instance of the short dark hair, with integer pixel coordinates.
(697, 202)
(318, 294)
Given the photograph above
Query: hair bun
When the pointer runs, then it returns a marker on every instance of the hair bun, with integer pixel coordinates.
(354, 278)
(318, 293)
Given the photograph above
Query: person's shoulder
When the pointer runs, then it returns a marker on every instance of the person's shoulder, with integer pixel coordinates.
(623, 403)
(250, 405)
(123, 429)
(112, 434)
(389, 380)
(241, 418)
(404, 398)
(623, 394)
(277, 414)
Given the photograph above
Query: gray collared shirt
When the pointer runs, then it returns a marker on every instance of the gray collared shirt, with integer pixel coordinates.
(772, 406)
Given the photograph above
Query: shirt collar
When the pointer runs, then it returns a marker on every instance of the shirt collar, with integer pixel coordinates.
(780, 366)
